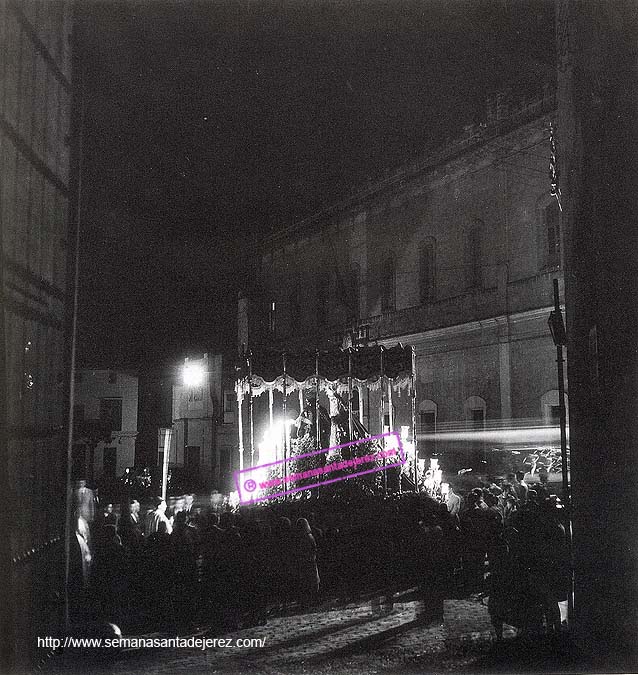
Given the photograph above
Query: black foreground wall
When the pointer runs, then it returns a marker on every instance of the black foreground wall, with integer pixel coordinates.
(596, 136)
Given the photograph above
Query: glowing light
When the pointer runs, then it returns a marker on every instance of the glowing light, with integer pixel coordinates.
(268, 447)
(272, 446)
(193, 374)
(433, 477)
(538, 435)
(408, 449)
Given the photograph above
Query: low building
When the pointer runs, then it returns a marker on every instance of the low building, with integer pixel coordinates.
(204, 426)
(105, 422)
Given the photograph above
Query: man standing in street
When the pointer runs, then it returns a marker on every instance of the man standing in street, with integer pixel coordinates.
(522, 488)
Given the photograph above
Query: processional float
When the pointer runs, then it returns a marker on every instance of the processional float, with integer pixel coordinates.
(325, 389)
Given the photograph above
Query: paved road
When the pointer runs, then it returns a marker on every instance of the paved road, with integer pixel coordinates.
(360, 638)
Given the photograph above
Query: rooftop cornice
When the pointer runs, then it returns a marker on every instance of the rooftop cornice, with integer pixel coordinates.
(476, 136)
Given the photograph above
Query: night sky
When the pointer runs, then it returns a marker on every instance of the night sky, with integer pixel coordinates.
(209, 125)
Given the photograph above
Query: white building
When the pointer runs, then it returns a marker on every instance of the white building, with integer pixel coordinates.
(204, 439)
(109, 397)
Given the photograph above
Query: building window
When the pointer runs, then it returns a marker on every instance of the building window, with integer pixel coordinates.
(477, 416)
(229, 461)
(272, 316)
(388, 285)
(229, 407)
(323, 290)
(78, 413)
(361, 335)
(295, 303)
(109, 462)
(111, 412)
(475, 411)
(191, 458)
(78, 461)
(426, 271)
(112, 377)
(551, 220)
(195, 393)
(354, 290)
(427, 423)
(355, 404)
(78, 377)
(473, 255)
(285, 309)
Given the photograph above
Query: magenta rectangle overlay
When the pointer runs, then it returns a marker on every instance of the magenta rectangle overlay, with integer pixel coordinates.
(241, 474)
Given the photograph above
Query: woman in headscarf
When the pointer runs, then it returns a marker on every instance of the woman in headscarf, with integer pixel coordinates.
(307, 572)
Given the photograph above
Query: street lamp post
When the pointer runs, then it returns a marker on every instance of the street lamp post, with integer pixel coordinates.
(559, 336)
(165, 460)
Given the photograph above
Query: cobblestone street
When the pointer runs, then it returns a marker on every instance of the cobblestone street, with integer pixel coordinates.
(358, 638)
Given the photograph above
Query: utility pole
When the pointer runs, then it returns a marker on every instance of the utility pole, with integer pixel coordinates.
(559, 336)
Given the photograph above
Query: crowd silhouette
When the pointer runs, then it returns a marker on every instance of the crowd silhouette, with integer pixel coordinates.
(177, 567)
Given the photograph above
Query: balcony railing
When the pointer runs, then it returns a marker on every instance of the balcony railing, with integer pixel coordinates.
(475, 305)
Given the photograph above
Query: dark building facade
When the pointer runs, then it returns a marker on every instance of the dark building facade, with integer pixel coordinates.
(597, 150)
(36, 209)
(454, 254)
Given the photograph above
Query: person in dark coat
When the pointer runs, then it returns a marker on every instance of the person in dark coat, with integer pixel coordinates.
(476, 528)
(230, 571)
(503, 601)
(130, 532)
(307, 571)
(211, 537)
(431, 547)
(157, 563)
(287, 577)
(109, 516)
(130, 528)
(110, 575)
(80, 563)
(184, 571)
(540, 562)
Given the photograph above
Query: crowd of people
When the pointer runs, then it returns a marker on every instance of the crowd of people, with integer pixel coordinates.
(515, 531)
(181, 564)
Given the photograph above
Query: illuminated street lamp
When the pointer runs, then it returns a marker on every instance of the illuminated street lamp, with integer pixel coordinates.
(193, 374)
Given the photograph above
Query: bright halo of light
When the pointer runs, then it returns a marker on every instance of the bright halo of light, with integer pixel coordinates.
(272, 446)
(193, 374)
